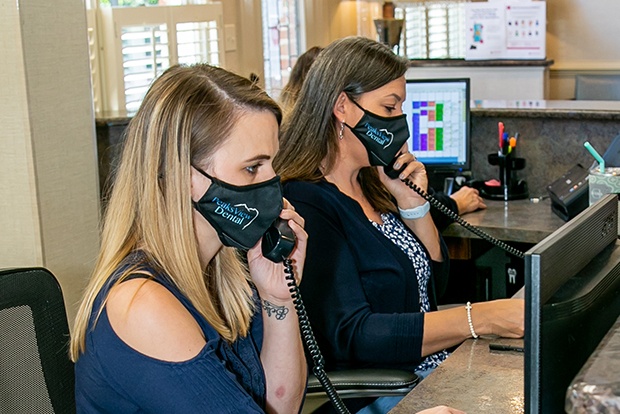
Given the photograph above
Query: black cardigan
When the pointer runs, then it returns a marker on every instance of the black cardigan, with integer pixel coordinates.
(359, 288)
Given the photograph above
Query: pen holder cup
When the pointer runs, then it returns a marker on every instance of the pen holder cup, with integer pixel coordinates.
(510, 188)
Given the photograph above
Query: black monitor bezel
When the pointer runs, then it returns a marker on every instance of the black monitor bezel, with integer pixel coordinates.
(572, 247)
(450, 168)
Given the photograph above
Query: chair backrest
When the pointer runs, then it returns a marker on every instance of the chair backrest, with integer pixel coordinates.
(36, 374)
(597, 87)
(358, 388)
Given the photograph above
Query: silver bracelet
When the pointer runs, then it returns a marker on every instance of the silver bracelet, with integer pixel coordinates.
(471, 325)
(416, 212)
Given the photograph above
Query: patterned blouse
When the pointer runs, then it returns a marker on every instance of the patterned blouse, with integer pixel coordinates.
(395, 231)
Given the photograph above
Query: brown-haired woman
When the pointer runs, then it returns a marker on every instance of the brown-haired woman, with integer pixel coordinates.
(376, 262)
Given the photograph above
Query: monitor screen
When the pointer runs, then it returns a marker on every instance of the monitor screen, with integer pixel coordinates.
(438, 115)
(572, 298)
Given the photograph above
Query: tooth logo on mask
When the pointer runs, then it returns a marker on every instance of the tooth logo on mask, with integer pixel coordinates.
(382, 136)
(234, 213)
(240, 214)
(378, 133)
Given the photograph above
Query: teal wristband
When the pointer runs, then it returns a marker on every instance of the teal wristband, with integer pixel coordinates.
(416, 212)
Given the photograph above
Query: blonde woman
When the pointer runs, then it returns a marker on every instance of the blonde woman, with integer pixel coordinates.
(172, 321)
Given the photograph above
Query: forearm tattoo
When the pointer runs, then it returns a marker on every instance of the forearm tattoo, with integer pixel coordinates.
(278, 311)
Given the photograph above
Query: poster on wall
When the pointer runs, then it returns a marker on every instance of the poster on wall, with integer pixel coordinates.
(505, 29)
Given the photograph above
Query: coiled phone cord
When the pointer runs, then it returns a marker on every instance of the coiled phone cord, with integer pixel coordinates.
(310, 341)
(445, 210)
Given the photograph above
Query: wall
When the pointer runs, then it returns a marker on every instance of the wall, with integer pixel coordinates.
(581, 38)
(581, 34)
(49, 198)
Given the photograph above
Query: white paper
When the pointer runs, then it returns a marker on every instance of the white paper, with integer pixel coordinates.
(525, 30)
(485, 31)
(505, 29)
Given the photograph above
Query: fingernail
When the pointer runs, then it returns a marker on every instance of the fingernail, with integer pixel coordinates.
(402, 176)
(396, 165)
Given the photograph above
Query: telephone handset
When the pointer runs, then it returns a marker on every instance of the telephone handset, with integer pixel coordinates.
(392, 173)
(277, 245)
(278, 241)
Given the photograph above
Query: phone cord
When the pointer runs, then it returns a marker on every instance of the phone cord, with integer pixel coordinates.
(310, 341)
(445, 210)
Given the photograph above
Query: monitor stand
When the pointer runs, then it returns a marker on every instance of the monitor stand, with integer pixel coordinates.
(446, 180)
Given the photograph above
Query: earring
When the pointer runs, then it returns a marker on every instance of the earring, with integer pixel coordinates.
(341, 132)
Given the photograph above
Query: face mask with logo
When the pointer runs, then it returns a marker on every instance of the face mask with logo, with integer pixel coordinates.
(240, 214)
(382, 136)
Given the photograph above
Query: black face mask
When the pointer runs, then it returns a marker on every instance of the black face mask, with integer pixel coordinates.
(382, 136)
(240, 214)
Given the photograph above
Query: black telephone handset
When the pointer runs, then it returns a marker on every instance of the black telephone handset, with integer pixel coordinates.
(392, 173)
(278, 241)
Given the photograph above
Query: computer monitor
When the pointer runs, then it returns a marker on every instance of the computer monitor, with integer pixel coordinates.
(439, 121)
(572, 298)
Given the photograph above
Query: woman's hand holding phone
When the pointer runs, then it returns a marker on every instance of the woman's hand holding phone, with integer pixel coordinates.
(269, 276)
(414, 171)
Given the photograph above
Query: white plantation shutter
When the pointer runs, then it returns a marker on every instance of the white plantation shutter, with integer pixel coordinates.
(145, 54)
(433, 29)
(93, 50)
(140, 43)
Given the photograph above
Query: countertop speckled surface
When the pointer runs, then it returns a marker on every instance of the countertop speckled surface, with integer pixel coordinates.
(516, 220)
(473, 379)
(596, 388)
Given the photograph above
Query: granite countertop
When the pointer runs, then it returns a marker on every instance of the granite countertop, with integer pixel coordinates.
(478, 63)
(602, 110)
(596, 388)
(473, 379)
(516, 221)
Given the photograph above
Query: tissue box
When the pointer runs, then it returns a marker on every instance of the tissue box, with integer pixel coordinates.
(600, 184)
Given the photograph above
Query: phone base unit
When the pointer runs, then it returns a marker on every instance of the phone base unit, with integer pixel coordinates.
(569, 194)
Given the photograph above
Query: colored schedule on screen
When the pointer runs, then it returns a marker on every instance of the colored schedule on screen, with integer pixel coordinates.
(438, 115)
(427, 134)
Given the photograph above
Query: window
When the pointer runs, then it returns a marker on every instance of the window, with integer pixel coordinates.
(131, 46)
(433, 29)
(281, 41)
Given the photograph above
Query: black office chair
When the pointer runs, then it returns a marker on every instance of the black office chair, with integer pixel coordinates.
(36, 374)
(358, 387)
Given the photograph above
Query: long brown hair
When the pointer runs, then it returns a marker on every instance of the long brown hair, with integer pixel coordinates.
(289, 93)
(308, 138)
(185, 116)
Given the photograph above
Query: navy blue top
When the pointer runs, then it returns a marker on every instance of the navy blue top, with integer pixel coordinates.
(360, 289)
(112, 377)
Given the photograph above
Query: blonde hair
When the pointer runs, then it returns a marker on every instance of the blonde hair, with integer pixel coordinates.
(309, 134)
(185, 116)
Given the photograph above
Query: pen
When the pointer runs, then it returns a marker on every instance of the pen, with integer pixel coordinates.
(596, 155)
(500, 127)
(502, 347)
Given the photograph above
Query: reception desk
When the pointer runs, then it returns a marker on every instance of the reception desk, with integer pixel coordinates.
(551, 136)
(596, 388)
(521, 221)
(474, 379)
